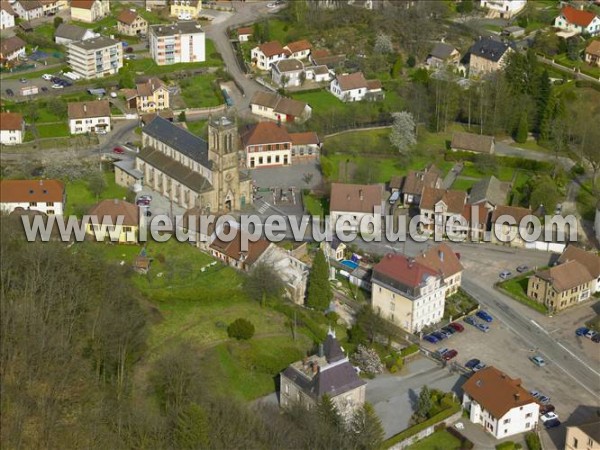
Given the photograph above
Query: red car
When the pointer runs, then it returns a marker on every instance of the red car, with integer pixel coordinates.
(118, 150)
(457, 326)
(544, 409)
(450, 354)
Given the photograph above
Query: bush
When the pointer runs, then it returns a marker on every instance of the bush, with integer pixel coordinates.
(508, 445)
(533, 441)
(240, 329)
(412, 348)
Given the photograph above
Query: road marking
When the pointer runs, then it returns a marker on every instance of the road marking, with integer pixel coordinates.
(538, 325)
(578, 358)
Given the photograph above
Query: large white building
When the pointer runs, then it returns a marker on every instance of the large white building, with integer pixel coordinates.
(182, 42)
(407, 293)
(12, 128)
(89, 117)
(505, 9)
(95, 58)
(499, 403)
(47, 196)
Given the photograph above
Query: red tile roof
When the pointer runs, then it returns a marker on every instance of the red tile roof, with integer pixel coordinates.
(355, 197)
(11, 121)
(298, 46)
(513, 211)
(496, 392)
(83, 4)
(577, 16)
(352, 81)
(306, 138)
(113, 209)
(244, 31)
(441, 259)
(271, 48)
(404, 270)
(127, 16)
(266, 133)
(320, 53)
(21, 191)
(454, 200)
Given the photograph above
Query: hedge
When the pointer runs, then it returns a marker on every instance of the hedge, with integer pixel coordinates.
(421, 426)
(506, 161)
(533, 441)
(587, 84)
(412, 348)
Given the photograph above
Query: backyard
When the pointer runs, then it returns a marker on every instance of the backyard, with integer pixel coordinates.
(201, 91)
(80, 199)
(517, 289)
(438, 440)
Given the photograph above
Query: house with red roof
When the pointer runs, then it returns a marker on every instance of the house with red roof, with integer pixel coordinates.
(89, 11)
(577, 21)
(408, 292)
(12, 128)
(264, 55)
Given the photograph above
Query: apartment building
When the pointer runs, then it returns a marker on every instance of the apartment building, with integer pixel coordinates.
(182, 42)
(47, 196)
(95, 58)
(407, 293)
(12, 128)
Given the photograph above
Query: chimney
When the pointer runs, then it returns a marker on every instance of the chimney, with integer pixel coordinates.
(441, 255)
(321, 351)
(360, 194)
(517, 396)
(85, 107)
(116, 201)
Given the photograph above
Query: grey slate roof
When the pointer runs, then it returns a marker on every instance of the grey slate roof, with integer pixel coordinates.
(333, 349)
(128, 166)
(68, 31)
(95, 43)
(489, 49)
(174, 169)
(489, 189)
(183, 141)
(184, 27)
(441, 51)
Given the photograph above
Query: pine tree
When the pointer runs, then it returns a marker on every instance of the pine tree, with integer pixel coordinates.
(543, 91)
(192, 428)
(319, 293)
(367, 429)
(424, 403)
(329, 414)
(522, 129)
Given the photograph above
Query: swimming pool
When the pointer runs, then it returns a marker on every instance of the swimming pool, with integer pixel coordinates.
(350, 264)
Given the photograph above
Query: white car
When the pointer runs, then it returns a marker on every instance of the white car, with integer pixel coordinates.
(549, 416)
(113, 95)
(47, 77)
(57, 86)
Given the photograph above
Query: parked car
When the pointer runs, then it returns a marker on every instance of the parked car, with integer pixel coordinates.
(581, 331)
(470, 320)
(590, 334)
(446, 334)
(522, 268)
(449, 330)
(596, 338)
(10, 92)
(57, 86)
(470, 364)
(482, 327)
(450, 354)
(439, 335)
(552, 423)
(430, 338)
(484, 315)
(457, 327)
(118, 150)
(142, 202)
(505, 274)
(549, 416)
(442, 351)
(538, 360)
(544, 400)
(23, 80)
(47, 77)
(535, 394)
(145, 197)
(479, 367)
(545, 409)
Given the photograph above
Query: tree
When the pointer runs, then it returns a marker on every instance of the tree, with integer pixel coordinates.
(542, 95)
(192, 428)
(368, 360)
(263, 283)
(319, 293)
(366, 428)
(465, 7)
(284, 81)
(96, 184)
(57, 21)
(240, 329)
(411, 61)
(369, 324)
(522, 129)
(302, 78)
(383, 44)
(397, 67)
(486, 164)
(328, 413)
(424, 403)
(543, 192)
(403, 135)
(181, 117)
(57, 106)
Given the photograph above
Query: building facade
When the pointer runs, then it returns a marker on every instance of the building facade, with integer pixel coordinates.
(352, 87)
(12, 128)
(130, 23)
(28, 9)
(47, 196)
(95, 58)
(185, 9)
(585, 436)
(267, 54)
(149, 96)
(445, 262)
(89, 117)
(407, 293)
(351, 204)
(281, 109)
(114, 220)
(499, 403)
(11, 49)
(577, 21)
(192, 172)
(487, 55)
(7, 15)
(505, 9)
(89, 11)
(182, 42)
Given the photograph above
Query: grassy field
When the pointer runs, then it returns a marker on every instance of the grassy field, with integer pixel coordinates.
(79, 197)
(371, 141)
(321, 101)
(438, 440)
(586, 201)
(315, 206)
(198, 127)
(53, 130)
(201, 91)
(517, 289)
(564, 60)
(37, 73)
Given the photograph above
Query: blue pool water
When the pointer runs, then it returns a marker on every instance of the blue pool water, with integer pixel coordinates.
(350, 264)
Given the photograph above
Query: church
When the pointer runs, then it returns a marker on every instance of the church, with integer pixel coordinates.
(191, 172)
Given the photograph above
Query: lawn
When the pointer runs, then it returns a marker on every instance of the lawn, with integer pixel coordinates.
(37, 73)
(438, 440)
(315, 206)
(198, 127)
(53, 130)
(517, 289)
(581, 65)
(80, 199)
(322, 101)
(369, 141)
(462, 184)
(201, 91)
(587, 201)
(104, 24)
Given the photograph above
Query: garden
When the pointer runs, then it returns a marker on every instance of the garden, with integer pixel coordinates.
(517, 289)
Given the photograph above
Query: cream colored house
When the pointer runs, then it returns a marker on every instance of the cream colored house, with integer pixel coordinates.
(185, 9)
(130, 23)
(583, 437)
(89, 11)
(407, 293)
(330, 373)
(149, 96)
(502, 231)
(487, 55)
(114, 220)
(442, 259)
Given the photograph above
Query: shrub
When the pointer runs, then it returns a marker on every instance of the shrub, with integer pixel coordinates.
(412, 348)
(240, 329)
(533, 441)
(368, 360)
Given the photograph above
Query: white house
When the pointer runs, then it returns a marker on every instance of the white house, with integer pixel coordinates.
(281, 109)
(244, 34)
(505, 9)
(264, 55)
(353, 87)
(407, 293)
(67, 33)
(89, 11)
(298, 49)
(499, 403)
(288, 72)
(11, 48)
(318, 74)
(7, 15)
(182, 42)
(356, 202)
(12, 128)
(28, 9)
(89, 117)
(47, 196)
(577, 21)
